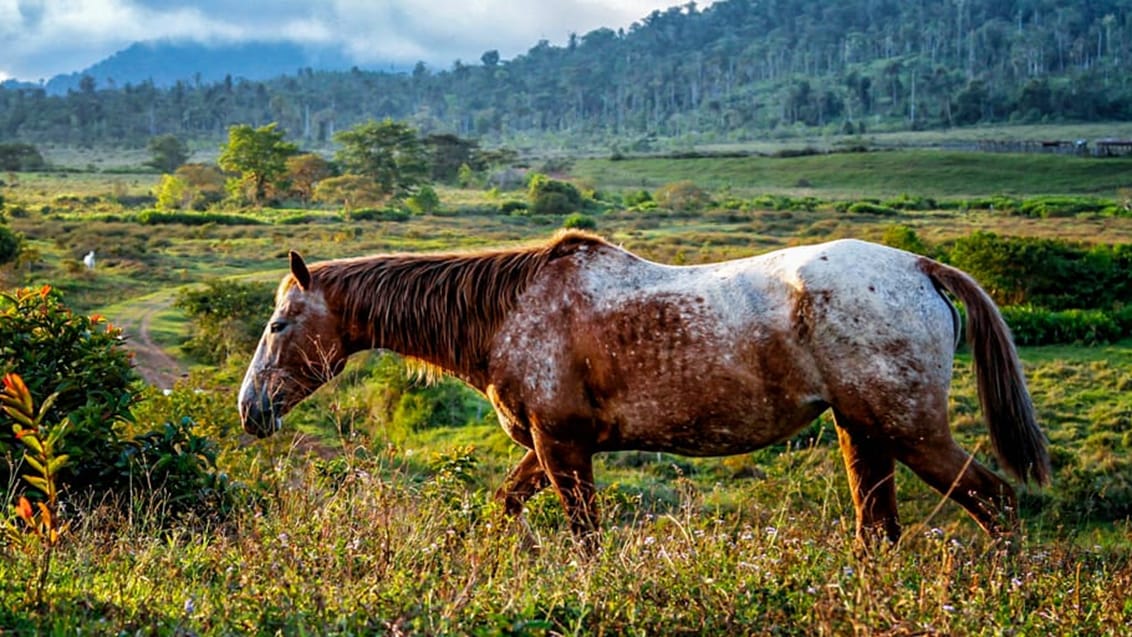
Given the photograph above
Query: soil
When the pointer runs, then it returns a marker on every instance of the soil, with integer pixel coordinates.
(154, 365)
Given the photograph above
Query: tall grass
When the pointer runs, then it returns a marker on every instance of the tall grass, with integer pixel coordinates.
(375, 549)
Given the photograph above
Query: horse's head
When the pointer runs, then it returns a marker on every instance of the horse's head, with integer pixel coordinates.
(301, 348)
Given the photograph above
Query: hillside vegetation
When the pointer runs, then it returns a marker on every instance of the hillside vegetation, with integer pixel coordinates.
(737, 70)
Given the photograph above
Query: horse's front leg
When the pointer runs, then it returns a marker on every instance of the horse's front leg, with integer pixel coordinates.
(569, 465)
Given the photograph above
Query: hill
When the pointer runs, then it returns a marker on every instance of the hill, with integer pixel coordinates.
(738, 70)
(164, 63)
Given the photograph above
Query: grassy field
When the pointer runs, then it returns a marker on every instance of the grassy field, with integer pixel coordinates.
(932, 173)
(349, 523)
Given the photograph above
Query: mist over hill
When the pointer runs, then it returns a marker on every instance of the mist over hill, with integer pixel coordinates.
(737, 70)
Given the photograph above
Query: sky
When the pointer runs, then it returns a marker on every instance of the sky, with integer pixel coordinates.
(42, 38)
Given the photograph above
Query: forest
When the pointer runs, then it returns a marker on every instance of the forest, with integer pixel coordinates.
(736, 70)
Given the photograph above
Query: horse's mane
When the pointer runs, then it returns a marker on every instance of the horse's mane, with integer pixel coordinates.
(440, 308)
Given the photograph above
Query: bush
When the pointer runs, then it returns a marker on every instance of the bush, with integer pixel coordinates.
(1064, 206)
(82, 360)
(904, 238)
(869, 208)
(20, 157)
(552, 197)
(1050, 273)
(227, 317)
(377, 214)
(426, 201)
(513, 207)
(1037, 326)
(908, 202)
(579, 221)
(179, 467)
(155, 217)
(682, 196)
(11, 243)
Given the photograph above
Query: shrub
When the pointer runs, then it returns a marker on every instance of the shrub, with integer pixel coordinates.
(1037, 326)
(227, 318)
(869, 208)
(513, 207)
(904, 238)
(682, 196)
(1050, 273)
(579, 221)
(179, 467)
(11, 243)
(1066, 206)
(426, 201)
(20, 157)
(377, 214)
(80, 358)
(908, 202)
(155, 217)
(636, 197)
(552, 197)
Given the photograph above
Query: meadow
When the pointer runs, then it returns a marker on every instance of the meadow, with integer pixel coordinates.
(372, 512)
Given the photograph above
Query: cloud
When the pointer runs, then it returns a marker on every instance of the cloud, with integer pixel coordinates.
(42, 38)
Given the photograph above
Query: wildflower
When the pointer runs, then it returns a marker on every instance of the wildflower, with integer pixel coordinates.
(190, 606)
(771, 531)
(948, 608)
(650, 540)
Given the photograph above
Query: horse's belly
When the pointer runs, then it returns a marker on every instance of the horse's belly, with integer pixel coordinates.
(717, 434)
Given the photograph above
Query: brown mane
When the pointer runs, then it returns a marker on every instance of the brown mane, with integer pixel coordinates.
(455, 300)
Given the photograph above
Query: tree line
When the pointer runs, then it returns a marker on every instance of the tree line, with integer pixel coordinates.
(736, 69)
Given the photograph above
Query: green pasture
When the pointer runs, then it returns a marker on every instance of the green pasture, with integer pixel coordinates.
(847, 175)
(372, 513)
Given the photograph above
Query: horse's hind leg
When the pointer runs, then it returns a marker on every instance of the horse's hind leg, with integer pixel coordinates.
(871, 468)
(569, 465)
(523, 482)
(949, 469)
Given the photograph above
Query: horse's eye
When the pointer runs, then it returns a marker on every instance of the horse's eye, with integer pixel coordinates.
(277, 326)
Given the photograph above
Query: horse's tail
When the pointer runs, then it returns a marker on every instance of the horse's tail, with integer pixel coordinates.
(1006, 404)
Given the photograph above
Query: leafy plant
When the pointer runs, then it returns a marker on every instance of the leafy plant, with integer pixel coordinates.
(179, 467)
(42, 529)
(80, 359)
(551, 196)
(227, 317)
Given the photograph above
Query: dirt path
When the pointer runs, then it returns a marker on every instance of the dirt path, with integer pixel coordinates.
(155, 366)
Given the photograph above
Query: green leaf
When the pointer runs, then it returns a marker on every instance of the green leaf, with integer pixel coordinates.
(38, 483)
(35, 464)
(57, 463)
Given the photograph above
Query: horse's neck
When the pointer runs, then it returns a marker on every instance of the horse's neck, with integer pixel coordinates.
(433, 321)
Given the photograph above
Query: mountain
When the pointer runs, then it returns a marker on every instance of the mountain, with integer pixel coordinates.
(166, 62)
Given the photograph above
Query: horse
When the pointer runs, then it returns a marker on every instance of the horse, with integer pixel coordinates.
(583, 347)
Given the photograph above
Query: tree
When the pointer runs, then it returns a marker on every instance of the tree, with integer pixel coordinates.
(259, 155)
(389, 152)
(168, 153)
(348, 191)
(304, 172)
(448, 152)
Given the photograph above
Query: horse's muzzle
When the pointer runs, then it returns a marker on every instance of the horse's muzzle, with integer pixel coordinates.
(259, 414)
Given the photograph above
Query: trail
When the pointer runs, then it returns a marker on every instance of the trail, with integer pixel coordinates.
(154, 365)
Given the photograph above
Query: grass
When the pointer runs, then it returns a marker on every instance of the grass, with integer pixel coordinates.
(390, 530)
(933, 173)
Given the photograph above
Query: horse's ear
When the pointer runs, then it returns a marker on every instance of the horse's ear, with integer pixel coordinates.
(299, 271)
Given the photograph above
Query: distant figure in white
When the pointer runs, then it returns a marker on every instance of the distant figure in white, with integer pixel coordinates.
(88, 260)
